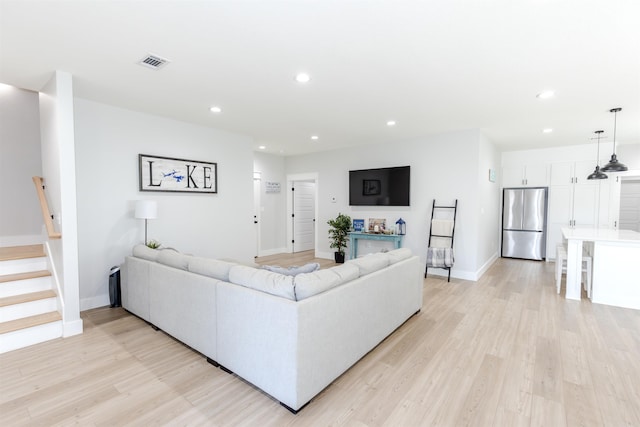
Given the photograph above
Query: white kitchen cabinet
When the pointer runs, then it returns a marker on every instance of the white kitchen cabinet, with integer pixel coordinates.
(525, 176)
(575, 201)
(564, 173)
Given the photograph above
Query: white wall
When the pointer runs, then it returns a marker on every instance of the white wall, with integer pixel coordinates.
(629, 155)
(58, 170)
(20, 217)
(108, 142)
(488, 204)
(272, 215)
(444, 167)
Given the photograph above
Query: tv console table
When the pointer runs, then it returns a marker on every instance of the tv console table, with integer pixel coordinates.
(355, 236)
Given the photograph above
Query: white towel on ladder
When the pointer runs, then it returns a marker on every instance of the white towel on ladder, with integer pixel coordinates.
(440, 257)
(441, 227)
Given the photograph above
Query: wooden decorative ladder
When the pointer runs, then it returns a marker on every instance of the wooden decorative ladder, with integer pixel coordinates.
(28, 303)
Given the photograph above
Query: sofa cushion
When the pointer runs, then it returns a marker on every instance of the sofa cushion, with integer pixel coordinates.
(210, 267)
(263, 280)
(310, 284)
(293, 271)
(145, 252)
(397, 255)
(370, 263)
(173, 259)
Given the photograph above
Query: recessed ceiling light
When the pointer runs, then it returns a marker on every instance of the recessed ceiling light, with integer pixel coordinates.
(262, 147)
(391, 123)
(314, 137)
(215, 109)
(547, 130)
(303, 78)
(546, 94)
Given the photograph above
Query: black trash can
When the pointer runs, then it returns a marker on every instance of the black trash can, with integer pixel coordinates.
(114, 287)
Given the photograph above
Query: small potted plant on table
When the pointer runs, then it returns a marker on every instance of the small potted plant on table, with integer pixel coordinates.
(338, 232)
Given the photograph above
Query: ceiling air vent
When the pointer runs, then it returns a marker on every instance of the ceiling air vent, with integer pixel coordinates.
(153, 61)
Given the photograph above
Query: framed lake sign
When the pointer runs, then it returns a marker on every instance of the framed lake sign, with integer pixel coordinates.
(177, 175)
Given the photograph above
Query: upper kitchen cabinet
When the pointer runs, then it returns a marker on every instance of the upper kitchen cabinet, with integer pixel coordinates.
(525, 176)
(567, 173)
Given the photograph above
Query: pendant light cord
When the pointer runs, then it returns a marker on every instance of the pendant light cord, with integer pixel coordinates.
(615, 120)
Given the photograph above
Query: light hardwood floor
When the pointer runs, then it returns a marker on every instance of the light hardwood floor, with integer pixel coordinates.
(503, 351)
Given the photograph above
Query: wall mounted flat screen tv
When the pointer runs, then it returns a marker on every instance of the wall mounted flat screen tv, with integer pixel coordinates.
(379, 187)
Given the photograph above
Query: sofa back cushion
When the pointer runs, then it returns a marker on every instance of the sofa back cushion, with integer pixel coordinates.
(173, 259)
(398, 255)
(210, 267)
(310, 284)
(293, 271)
(263, 280)
(145, 252)
(370, 263)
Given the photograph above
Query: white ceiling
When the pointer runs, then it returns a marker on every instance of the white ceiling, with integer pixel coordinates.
(433, 65)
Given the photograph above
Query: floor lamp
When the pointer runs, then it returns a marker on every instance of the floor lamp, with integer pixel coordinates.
(146, 209)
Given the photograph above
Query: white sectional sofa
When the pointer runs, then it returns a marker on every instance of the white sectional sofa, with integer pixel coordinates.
(291, 336)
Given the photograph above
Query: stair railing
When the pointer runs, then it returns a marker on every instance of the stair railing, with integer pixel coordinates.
(44, 206)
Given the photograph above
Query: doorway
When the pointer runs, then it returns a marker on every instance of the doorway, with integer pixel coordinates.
(257, 186)
(304, 215)
(302, 211)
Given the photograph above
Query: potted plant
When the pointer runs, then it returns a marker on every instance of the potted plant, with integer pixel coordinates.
(338, 232)
(153, 244)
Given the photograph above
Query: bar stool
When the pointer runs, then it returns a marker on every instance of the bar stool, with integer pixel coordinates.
(561, 267)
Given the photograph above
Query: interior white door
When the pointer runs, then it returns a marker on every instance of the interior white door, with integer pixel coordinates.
(304, 196)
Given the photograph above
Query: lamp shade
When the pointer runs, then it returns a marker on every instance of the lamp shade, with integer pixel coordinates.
(614, 165)
(596, 173)
(146, 209)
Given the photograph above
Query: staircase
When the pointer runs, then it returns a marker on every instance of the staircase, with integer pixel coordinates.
(28, 302)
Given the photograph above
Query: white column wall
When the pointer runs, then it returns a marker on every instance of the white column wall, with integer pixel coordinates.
(58, 170)
(489, 211)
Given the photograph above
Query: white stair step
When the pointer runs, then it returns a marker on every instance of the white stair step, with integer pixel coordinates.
(25, 305)
(29, 285)
(23, 265)
(31, 330)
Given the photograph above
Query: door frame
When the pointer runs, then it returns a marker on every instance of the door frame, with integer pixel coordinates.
(312, 176)
(257, 217)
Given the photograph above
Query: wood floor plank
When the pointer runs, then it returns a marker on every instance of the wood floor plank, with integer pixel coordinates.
(506, 350)
(548, 370)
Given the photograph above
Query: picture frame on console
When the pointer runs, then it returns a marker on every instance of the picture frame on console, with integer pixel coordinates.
(377, 225)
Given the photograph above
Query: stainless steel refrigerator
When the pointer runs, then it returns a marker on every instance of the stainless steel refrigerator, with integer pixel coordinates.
(524, 222)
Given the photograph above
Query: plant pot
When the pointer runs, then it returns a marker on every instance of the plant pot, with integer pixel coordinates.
(339, 257)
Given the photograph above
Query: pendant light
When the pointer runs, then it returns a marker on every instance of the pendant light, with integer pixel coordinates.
(596, 173)
(614, 165)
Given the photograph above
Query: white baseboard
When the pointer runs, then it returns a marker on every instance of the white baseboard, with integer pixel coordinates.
(457, 274)
(267, 252)
(487, 265)
(473, 276)
(324, 255)
(94, 302)
(72, 328)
